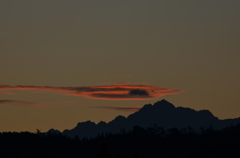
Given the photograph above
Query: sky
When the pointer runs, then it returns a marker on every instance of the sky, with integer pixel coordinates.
(69, 61)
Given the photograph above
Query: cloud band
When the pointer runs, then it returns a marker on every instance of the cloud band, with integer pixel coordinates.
(22, 103)
(112, 92)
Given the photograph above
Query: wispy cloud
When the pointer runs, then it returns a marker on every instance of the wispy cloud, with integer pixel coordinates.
(112, 92)
(22, 103)
(68, 101)
(8, 93)
(126, 109)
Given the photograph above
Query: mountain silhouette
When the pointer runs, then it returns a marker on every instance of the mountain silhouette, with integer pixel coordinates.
(162, 114)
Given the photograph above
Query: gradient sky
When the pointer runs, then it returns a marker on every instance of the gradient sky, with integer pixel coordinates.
(191, 48)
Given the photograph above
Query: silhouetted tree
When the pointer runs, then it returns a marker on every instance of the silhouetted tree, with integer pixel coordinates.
(139, 131)
(176, 143)
(118, 156)
(135, 155)
(103, 152)
(38, 131)
(161, 132)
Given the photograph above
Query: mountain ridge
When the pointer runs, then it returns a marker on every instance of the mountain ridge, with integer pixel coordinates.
(161, 113)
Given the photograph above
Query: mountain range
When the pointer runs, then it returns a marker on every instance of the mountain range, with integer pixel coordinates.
(162, 114)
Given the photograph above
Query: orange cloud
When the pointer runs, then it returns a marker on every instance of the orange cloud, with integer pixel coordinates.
(112, 92)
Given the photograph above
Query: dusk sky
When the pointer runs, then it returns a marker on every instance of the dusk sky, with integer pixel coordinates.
(69, 61)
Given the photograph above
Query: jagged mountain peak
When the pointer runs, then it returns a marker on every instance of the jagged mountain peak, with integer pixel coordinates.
(86, 122)
(102, 123)
(53, 131)
(163, 101)
(162, 113)
(160, 106)
(118, 119)
(146, 107)
(207, 113)
(163, 104)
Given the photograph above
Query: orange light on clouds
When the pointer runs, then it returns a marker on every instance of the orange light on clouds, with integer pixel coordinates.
(22, 103)
(112, 92)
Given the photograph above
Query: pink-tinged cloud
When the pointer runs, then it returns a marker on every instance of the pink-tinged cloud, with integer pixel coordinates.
(8, 93)
(112, 92)
(1, 78)
(126, 109)
(22, 103)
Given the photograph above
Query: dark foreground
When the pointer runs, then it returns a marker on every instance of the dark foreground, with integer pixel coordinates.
(142, 143)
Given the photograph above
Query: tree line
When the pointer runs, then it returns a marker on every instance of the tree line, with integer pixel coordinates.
(154, 142)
